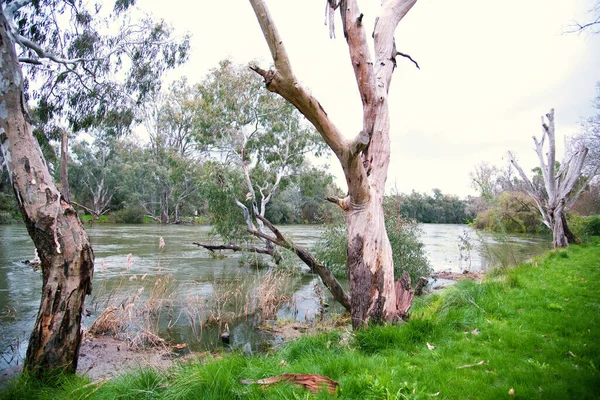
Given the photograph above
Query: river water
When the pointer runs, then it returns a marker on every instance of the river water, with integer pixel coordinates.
(187, 295)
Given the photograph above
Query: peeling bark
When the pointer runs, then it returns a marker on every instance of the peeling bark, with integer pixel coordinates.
(364, 159)
(66, 256)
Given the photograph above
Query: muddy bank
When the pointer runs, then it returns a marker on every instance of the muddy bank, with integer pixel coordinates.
(104, 358)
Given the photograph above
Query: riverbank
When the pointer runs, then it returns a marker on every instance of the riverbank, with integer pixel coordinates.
(528, 332)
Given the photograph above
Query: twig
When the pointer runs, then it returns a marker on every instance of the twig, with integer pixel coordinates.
(398, 53)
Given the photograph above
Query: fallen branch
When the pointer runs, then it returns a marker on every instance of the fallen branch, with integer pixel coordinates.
(311, 382)
(234, 247)
(339, 294)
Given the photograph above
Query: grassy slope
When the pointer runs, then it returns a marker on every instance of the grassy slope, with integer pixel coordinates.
(536, 328)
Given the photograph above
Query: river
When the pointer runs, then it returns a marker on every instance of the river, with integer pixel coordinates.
(189, 296)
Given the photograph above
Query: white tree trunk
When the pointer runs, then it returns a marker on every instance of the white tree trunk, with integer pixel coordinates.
(365, 159)
(562, 187)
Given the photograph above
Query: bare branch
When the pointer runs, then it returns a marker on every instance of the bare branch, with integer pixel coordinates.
(282, 81)
(27, 60)
(342, 203)
(233, 247)
(409, 57)
(360, 142)
(315, 266)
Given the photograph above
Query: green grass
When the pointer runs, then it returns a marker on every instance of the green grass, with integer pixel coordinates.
(536, 328)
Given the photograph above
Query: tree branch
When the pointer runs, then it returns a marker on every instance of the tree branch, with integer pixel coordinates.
(409, 57)
(233, 247)
(281, 80)
(315, 266)
(342, 203)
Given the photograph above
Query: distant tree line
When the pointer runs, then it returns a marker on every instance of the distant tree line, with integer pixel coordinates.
(437, 208)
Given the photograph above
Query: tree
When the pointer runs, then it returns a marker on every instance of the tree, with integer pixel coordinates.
(62, 244)
(257, 133)
(365, 159)
(589, 136)
(95, 174)
(76, 77)
(592, 25)
(562, 183)
(263, 140)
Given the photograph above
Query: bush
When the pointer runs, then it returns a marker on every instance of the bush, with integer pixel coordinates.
(583, 227)
(408, 250)
(512, 212)
(133, 215)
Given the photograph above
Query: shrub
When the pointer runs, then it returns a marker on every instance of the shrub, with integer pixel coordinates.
(132, 215)
(408, 250)
(584, 227)
(512, 212)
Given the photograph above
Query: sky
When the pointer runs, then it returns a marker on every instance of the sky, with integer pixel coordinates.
(489, 71)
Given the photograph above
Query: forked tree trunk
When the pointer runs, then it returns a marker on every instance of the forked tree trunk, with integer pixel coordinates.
(364, 159)
(562, 187)
(65, 252)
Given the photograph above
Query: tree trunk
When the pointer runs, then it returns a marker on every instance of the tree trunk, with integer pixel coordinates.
(370, 267)
(62, 243)
(164, 213)
(559, 238)
(365, 158)
(64, 172)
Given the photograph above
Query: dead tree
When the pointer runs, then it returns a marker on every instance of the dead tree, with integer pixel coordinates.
(365, 158)
(561, 187)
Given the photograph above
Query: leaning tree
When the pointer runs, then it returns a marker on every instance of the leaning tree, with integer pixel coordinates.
(365, 158)
(62, 46)
(562, 183)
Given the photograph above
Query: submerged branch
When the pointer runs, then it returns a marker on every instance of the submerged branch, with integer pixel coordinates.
(234, 247)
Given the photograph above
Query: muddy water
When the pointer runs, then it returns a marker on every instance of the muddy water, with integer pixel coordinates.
(182, 280)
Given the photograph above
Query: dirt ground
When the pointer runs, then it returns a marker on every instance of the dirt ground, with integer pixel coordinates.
(104, 357)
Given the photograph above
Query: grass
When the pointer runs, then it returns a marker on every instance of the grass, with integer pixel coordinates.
(532, 331)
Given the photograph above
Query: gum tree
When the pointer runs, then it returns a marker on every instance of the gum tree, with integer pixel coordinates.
(365, 158)
(61, 45)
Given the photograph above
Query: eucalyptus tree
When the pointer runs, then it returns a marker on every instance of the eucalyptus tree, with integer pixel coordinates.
(365, 158)
(255, 132)
(95, 174)
(562, 183)
(265, 140)
(61, 46)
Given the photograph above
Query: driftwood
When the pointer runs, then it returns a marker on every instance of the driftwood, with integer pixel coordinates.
(234, 247)
(311, 382)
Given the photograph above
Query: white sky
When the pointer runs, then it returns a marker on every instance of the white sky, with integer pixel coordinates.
(489, 70)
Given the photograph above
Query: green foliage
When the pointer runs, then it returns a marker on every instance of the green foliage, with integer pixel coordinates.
(511, 212)
(437, 209)
(220, 185)
(130, 215)
(8, 209)
(408, 250)
(584, 227)
(122, 61)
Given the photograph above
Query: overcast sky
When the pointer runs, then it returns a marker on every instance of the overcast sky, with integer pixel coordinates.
(489, 71)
